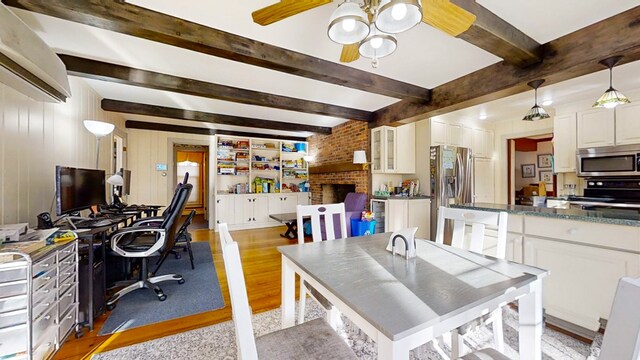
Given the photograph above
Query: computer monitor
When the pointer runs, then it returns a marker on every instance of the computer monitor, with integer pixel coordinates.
(126, 187)
(78, 189)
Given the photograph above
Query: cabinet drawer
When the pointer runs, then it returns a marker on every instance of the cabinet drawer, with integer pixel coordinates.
(66, 251)
(67, 298)
(46, 346)
(613, 236)
(13, 318)
(13, 340)
(13, 303)
(68, 260)
(44, 279)
(515, 223)
(45, 322)
(67, 322)
(13, 289)
(44, 265)
(44, 305)
(10, 274)
(64, 286)
(45, 291)
(65, 273)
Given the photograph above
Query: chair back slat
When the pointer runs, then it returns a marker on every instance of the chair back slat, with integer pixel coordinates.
(478, 222)
(622, 335)
(320, 214)
(240, 309)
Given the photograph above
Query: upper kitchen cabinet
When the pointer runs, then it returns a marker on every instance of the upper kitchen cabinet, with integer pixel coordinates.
(480, 142)
(445, 134)
(393, 150)
(596, 128)
(627, 124)
(564, 143)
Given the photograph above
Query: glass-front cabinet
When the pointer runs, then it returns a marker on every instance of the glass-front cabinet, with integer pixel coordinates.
(383, 150)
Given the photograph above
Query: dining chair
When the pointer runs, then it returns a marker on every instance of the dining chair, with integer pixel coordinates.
(311, 340)
(478, 221)
(622, 335)
(322, 219)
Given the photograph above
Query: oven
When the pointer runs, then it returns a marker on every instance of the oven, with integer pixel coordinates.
(610, 195)
(610, 161)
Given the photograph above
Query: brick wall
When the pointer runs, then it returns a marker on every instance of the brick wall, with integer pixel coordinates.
(338, 148)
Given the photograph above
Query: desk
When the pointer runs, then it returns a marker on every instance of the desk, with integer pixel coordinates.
(289, 219)
(403, 304)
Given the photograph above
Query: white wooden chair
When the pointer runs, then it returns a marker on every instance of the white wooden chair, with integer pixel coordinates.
(478, 220)
(622, 335)
(320, 215)
(311, 340)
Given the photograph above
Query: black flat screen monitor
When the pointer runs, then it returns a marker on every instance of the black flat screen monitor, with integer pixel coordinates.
(126, 186)
(78, 189)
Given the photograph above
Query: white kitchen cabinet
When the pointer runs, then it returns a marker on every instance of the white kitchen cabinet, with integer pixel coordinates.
(226, 210)
(454, 135)
(595, 128)
(480, 141)
(418, 215)
(255, 209)
(483, 189)
(564, 143)
(438, 133)
(627, 124)
(395, 215)
(304, 198)
(393, 150)
(282, 203)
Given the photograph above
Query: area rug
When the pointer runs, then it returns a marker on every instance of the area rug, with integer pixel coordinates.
(218, 341)
(199, 293)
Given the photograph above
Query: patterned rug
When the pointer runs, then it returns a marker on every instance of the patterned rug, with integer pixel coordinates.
(218, 341)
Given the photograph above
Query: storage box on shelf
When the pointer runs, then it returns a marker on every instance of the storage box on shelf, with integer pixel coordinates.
(258, 177)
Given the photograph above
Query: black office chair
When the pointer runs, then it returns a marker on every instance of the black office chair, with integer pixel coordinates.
(183, 239)
(144, 242)
(156, 220)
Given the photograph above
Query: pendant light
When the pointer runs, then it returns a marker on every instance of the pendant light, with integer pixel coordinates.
(536, 112)
(396, 16)
(377, 45)
(348, 24)
(612, 97)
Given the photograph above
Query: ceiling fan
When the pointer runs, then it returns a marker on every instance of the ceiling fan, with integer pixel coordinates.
(441, 14)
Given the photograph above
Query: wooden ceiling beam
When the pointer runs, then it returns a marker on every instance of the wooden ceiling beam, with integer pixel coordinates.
(129, 19)
(143, 125)
(567, 57)
(492, 34)
(99, 70)
(191, 115)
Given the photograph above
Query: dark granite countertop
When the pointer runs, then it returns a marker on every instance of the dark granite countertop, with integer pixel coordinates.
(605, 217)
(393, 197)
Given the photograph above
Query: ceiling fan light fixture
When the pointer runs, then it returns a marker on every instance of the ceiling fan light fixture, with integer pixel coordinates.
(377, 44)
(396, 16)
(536, 112)
(612, 97)
(348, 24)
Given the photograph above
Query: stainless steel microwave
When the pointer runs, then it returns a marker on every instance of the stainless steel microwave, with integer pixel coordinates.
(623, 160)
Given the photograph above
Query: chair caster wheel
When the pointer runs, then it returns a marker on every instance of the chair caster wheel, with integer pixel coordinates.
(178, 256)
(162, 297)
(181, 281)
(111, 306)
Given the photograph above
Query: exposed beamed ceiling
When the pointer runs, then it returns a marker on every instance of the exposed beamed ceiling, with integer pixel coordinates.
(426, 58)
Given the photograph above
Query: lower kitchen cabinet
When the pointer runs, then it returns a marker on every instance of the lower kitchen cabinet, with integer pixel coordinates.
(401, 214)
(250, 211)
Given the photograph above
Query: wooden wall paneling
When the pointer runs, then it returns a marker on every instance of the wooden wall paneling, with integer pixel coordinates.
(3, 143)
(35, 165)
(11, 160)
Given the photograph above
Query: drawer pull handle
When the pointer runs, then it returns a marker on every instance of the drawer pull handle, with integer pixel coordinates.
(67, 262)
(69, 295)
(45, 265)
(573, 231)
(46, 278)
(69, 317)
(49, 344)
(46, 291)
(67, 274)
(67, 284)
(46, 304)
(47, 317)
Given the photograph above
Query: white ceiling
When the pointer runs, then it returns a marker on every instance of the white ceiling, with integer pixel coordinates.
(425, 57)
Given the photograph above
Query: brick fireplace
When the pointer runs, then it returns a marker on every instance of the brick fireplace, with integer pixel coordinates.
(335, 149)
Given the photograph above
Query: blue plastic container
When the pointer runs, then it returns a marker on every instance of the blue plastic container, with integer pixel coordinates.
(359, 227)
(300, 147)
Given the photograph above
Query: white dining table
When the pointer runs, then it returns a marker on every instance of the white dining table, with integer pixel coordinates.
(402, 304)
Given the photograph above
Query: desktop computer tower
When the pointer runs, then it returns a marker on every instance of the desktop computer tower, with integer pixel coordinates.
(96, 271)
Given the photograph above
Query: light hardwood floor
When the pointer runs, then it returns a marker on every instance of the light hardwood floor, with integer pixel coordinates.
(261, 263)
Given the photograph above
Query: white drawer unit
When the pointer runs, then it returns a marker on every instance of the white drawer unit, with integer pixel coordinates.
(38, 300)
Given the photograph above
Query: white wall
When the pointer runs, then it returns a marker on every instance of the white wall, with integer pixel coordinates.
(423, 144)
(35, 137)
(531, 157)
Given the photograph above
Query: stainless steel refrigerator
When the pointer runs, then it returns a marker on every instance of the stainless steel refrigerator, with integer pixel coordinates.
(451, 171)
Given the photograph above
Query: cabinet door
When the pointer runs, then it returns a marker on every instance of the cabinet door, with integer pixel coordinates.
(274, 205)
(396, 215)
(487, 143)
(627, 124)
(225, 209)
(483, 180)
(564, 143)
(261, 209)
(406, 149)
(304, 198)
(467, 139)
(247, 208)
(390, 150)
(418, 215)
(454, 135)
(376, 150)
(477, 143)
(583, 279)
(595, 128)
(438, 133)
(289, 203)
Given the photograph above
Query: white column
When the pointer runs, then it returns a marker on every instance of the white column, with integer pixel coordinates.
(530, 317)
(288, 306)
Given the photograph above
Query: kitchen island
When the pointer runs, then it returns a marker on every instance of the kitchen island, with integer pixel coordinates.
(586, 251)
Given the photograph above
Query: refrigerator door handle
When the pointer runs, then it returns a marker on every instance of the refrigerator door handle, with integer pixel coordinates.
(459, 179)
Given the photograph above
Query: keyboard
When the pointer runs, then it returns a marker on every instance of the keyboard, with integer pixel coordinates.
(89, 223)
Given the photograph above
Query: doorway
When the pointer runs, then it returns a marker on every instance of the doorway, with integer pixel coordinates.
(194, 159)
(530, 163)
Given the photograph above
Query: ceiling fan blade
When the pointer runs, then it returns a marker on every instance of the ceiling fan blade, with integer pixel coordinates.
(350, 53)
(448, 17)
(284, 9)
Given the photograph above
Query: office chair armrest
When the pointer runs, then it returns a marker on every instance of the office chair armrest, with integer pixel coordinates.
(148, 221)
(118, 235)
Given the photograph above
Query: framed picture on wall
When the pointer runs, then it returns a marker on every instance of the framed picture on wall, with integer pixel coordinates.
(546, 176)
(544, 160)
(529, 170)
